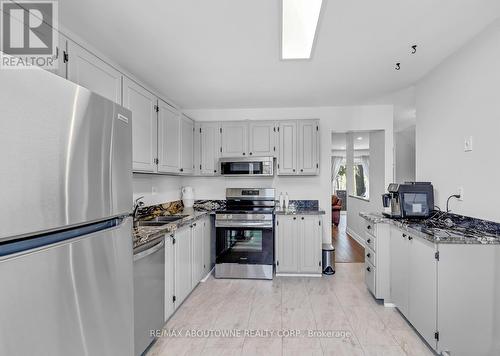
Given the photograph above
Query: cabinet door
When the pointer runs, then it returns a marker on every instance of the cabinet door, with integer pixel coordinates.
(187, 145)
(169, 276)
(399, 270)
(196, 252)
(309, 244)
(144, 125)
(169, 130)
(183, 265)
(422, 305)
(207, 245)
(287, 157)
(61, 49)
(209, 150)
(261, 139)
(308, 147)
(287, 245)
(87, 70)
(234, 138)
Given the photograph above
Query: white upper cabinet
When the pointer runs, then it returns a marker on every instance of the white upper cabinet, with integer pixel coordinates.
(207, 147)
(261, 138)
(94, 74)
(144, 125)
(169, 139)
(187, 145)
(287, 157)
(234, 139)
(308, 161)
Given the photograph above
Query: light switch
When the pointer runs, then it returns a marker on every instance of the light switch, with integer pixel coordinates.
(468, 144)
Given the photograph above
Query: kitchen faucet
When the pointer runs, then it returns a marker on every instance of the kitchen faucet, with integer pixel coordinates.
(137, 204)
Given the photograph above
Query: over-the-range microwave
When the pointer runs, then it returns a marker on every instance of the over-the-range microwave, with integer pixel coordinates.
(247, 166)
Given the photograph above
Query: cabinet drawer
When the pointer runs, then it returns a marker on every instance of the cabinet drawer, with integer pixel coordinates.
(371, 241)
(370, 228)
(370, 256)
(370, 275)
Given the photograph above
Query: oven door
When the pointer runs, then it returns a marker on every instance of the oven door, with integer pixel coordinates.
(245, 245)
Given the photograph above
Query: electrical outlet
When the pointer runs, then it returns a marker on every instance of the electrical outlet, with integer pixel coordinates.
(461, 193)
(468, 144)
(154, 190)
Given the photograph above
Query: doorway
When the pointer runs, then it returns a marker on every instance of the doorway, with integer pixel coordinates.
(347, 249)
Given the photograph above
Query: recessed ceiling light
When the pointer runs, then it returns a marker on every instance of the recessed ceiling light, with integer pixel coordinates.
(299, 22)
(360, 138)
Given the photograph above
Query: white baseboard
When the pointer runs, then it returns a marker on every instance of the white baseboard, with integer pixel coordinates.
(389, 305)
(356, 237)
(298, 275)
(208, 275)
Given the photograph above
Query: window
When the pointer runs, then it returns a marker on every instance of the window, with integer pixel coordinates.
(361, 181)
(341, 179)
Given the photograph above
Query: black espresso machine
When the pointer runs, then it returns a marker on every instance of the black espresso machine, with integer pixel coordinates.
(410, 200)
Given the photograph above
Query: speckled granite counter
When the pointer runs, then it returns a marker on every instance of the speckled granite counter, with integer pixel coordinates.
(300, 207)
(299, 211)
(445, 228)
(145, 234)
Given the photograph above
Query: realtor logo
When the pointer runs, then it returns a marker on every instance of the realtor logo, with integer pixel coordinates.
(29, 34)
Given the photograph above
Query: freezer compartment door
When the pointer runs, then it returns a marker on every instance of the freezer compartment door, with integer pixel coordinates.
(66, 154)
(73, 297)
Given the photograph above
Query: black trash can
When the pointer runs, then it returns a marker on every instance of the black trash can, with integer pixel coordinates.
(328, 259)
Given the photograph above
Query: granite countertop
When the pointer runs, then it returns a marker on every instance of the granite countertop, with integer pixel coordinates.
(299, 211)
(445, 228)
(145, 234)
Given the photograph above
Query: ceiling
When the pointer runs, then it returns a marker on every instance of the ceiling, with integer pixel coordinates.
(226, 53)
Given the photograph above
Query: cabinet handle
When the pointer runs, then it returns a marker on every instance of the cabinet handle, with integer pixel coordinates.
(368, 269)
(215, 171)
(410, 238)
(368, 255)
(294, 218)
(369, 227)
(294, 169)
(194, 224)
(251, 153)
(369, 240)
(301, 170)
(244, 153)
(404, 235)
(302, 218)
(182, 169)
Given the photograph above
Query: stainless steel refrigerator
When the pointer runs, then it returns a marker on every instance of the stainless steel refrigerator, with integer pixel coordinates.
(66, 281)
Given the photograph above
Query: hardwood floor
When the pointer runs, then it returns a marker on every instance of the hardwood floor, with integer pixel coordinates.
(346, 248)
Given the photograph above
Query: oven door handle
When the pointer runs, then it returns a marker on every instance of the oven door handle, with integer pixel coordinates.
(268, 225)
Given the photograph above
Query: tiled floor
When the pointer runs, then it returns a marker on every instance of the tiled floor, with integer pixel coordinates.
(337, 303)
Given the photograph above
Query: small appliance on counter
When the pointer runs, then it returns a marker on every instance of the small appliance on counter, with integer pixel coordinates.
(187, 197)
(411, 200)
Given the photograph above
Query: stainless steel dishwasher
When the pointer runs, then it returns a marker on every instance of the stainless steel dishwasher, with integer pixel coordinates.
(149, 292)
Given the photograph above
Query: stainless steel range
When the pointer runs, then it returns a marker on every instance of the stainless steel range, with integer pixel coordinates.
(245, 234)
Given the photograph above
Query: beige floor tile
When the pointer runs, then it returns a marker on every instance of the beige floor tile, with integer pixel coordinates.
(301, 343)
(411, 343)
(368, 327)
(341, 347)
(383, 351)
(391, 317)
(179, 347)
(265, 316)
(255, 346)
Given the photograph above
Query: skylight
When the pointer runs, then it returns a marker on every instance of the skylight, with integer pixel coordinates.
(299, 22)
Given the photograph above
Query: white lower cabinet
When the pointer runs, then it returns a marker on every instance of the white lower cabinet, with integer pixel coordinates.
(414, 282)
(183, 264)
(196, 252)
(169, 276)
(298, 244)
(187, 261)
(377, 259)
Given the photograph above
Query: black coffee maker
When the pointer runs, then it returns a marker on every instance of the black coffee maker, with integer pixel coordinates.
(411, 200)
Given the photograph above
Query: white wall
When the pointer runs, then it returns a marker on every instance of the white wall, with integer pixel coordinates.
(156, 189)
(461, 97)
(404, 155)
(377, 181)
(353, 118)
